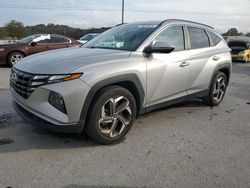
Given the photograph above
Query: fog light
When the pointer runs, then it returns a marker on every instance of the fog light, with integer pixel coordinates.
(56, 100)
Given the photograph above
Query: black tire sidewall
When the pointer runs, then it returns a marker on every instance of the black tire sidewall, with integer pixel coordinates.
(99, 100)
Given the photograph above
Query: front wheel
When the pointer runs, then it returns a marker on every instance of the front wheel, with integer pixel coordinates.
(14, 57)
(111, 115)
(217, 90)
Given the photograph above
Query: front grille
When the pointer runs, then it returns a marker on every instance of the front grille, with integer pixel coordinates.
(21, 83)
(235, 51)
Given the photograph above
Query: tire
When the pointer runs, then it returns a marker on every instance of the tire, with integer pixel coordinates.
(217, 90)
(111, 115)
(14, 57)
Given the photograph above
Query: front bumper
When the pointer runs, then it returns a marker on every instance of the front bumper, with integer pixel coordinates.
(35, 120)
(36, 105)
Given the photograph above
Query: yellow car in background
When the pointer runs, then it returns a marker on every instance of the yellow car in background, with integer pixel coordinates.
(240, 50)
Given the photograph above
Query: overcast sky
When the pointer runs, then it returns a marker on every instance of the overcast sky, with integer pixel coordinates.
(221, 14)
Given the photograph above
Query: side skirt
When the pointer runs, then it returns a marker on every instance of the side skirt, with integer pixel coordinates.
(175, 101)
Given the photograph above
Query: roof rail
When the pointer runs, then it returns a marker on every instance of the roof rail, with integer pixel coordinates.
(186, 21)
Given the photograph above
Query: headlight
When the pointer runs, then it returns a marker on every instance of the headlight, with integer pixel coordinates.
(39, 80)
(1, 49)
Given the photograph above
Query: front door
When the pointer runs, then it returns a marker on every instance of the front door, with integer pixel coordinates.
(168, 73)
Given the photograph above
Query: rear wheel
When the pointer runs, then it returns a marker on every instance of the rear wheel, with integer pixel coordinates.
(111, 115)
(14, 57)
(217, 90)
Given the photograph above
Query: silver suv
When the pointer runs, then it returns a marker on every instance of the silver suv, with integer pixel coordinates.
(128, 70)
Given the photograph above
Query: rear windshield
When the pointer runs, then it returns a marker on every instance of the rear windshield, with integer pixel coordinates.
(237, 44)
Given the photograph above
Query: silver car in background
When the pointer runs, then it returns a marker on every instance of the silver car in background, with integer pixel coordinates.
(126, 71)
(84, 39)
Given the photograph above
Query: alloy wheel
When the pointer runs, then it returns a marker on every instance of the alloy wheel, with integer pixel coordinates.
(115, 115)
(219, 89)
(15, 58)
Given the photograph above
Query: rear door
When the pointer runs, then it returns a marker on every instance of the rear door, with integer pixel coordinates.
(201, 55)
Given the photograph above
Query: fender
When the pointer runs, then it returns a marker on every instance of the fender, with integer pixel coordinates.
(225, 65)
(118, 80)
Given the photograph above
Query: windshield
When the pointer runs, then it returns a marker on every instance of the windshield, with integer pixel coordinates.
(125, 37)
(28, 39)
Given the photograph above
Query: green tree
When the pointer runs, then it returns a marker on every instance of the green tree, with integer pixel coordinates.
(232, 32)
(16, 29)
(3, 33)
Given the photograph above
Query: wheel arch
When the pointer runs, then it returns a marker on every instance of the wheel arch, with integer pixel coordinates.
(225, 68)
(129, 81)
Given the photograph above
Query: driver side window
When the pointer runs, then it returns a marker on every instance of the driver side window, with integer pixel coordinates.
(174, 36)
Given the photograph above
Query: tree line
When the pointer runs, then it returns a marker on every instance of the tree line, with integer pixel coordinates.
(16, 30)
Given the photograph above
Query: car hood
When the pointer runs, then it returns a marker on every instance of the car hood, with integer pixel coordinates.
(67, 60)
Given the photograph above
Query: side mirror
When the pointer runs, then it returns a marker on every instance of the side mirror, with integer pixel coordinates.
(158, 47)
(33, 43)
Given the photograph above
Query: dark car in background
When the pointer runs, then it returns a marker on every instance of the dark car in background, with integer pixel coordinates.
(240, 50)
(12, 53)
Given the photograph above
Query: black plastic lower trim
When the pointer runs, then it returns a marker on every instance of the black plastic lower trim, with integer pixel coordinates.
(36, 121)
(175, 101)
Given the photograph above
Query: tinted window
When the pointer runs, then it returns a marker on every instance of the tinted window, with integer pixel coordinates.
(215, 38)
(60, 40)
(45, 41)
(198, 38)
(173, 36)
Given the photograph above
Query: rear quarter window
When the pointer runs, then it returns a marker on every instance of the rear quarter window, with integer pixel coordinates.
(198, 38)
(215, 38)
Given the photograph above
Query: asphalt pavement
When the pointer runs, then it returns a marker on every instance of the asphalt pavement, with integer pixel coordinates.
(186, 145)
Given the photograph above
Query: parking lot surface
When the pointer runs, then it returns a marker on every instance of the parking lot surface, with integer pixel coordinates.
(186, 145)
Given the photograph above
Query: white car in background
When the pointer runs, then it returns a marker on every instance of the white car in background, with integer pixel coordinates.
(84, 39)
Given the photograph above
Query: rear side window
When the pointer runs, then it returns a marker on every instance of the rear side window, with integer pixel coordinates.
(215, 38)
(60, 40)
(198, 38)
(174, 36)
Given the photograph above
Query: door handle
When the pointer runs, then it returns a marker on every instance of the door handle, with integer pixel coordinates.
(216, 58)
(184, 64)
